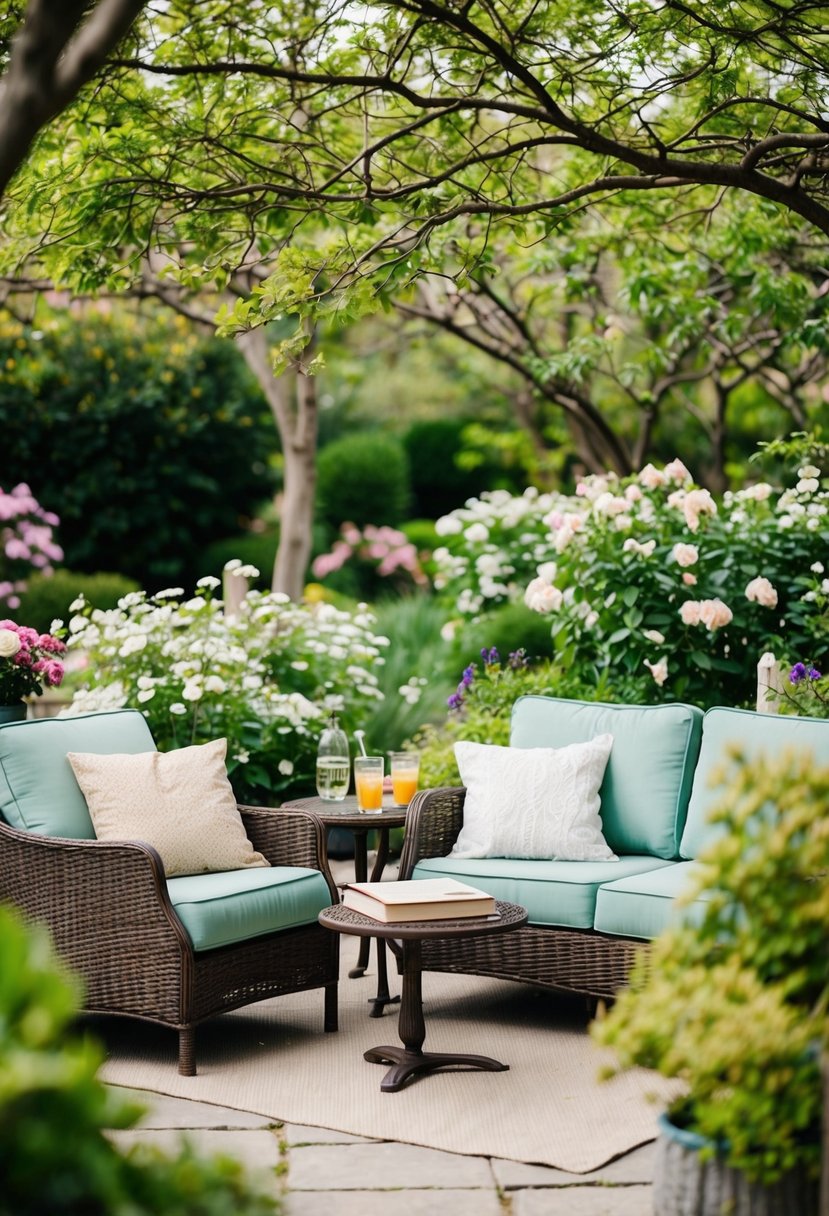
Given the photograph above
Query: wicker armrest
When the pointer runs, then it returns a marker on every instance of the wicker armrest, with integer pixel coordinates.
(288, 837)
(433, 821)
(87, 890)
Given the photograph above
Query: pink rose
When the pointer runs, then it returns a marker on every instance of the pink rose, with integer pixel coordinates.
(760, 591)
(685, 555)
(690, 580)
(690, 612)
(714, 614)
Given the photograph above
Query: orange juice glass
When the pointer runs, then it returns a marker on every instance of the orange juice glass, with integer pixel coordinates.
(405, 767)
(368, 782)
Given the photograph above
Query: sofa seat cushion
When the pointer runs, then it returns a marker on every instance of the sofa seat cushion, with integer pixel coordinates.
(560, 893)
(38, 790)
(756, 734)
(645, 791)
(234, 905)
(642, 905)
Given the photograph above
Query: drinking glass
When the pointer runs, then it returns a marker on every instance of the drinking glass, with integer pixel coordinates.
(404, 772)
(368, 780)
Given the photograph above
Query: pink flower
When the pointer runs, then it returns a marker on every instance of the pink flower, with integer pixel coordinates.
(690, 612)
(690, 580)
(651, 478)
(760, 591)
(659, 670)
(714, 614)
(696, 503)
(677, 472)
(685, 555)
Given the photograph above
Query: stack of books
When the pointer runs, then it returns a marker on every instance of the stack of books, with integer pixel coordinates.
(419, 899)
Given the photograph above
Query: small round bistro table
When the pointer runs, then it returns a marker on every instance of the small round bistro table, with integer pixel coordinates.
(346, 815)
(407, 938)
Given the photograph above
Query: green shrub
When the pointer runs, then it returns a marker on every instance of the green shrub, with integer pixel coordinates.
(480, 708)
(55, 1156)
(47, 597)
(422, 534)
(164, 439)
(412, 679)
(363, 479)
(439, 484)
(509, 628)
(734, 1000)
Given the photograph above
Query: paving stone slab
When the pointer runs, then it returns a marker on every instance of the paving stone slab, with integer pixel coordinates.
(258, 1151)
(393, 1203)
(383, 1164)
(299, 1134)
(164, 1111)
(584, 1201)
(633, 1167)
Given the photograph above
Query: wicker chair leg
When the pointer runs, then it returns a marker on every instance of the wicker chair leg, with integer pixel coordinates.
(331, 1012)
(187, 1052)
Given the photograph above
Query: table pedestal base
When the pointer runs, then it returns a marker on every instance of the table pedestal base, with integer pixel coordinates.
(407, 1064)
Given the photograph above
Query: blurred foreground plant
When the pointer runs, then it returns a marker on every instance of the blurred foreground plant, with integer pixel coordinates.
(734, 1000)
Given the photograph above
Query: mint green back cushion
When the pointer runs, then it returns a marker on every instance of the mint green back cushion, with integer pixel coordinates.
(38, 790)
(647, 784)
(232, 906)
(757, 734)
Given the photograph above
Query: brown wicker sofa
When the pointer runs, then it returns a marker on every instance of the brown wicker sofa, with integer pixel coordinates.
(588, 920)
(127, 929)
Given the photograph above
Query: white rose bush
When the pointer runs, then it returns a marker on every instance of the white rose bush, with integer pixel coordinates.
(265, 678)
(652, 586)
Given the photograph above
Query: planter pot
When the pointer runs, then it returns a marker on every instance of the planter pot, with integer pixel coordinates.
(13, 713)
(686, 1185)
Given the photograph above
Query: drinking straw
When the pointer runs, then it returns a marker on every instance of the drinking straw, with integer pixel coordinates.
(359, 735)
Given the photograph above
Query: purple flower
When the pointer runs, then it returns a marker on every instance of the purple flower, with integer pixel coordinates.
(490, 656)
(468, 676)
(518, 659)
(455, 701)
(797, 673)
(814, 674)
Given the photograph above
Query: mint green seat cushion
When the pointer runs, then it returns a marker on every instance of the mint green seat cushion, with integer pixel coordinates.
(643, 904)
(758, 734)
(560, 893)
(38, 790)
(647, 784)
(234, 905)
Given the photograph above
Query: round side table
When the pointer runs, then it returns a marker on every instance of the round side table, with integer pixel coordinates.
(345, 815)
(411, 1060)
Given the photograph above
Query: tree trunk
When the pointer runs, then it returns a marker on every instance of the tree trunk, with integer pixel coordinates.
(297, 425)
(297, 514)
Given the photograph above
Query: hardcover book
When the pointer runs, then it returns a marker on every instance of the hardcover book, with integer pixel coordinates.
(425, 899)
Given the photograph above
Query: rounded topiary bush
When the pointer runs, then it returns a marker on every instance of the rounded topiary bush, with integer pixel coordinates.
(47, 596)
(363, 478)
(439, 482)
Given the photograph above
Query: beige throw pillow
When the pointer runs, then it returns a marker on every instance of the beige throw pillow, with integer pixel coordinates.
(179, 802)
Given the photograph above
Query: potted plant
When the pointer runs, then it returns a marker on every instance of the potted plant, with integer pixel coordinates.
(733, 1002)
(28, 661)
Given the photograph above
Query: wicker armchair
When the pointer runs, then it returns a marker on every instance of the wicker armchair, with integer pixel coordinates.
(108, 908)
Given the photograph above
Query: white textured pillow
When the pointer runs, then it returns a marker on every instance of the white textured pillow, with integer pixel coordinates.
(534, 802)
(179, 802)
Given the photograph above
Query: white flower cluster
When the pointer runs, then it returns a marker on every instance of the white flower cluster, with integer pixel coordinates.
(275, 668)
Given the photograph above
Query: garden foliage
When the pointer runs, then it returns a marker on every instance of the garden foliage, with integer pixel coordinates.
(55, 1156)
(363, 478)
(47, 597)
(163, 439)
(734, 1002)
(265, 680)
(647, 581)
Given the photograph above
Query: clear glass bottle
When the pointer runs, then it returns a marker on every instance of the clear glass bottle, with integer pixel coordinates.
(333, 762)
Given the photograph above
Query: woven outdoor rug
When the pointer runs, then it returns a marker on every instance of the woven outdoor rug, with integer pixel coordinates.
(273, 1059)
